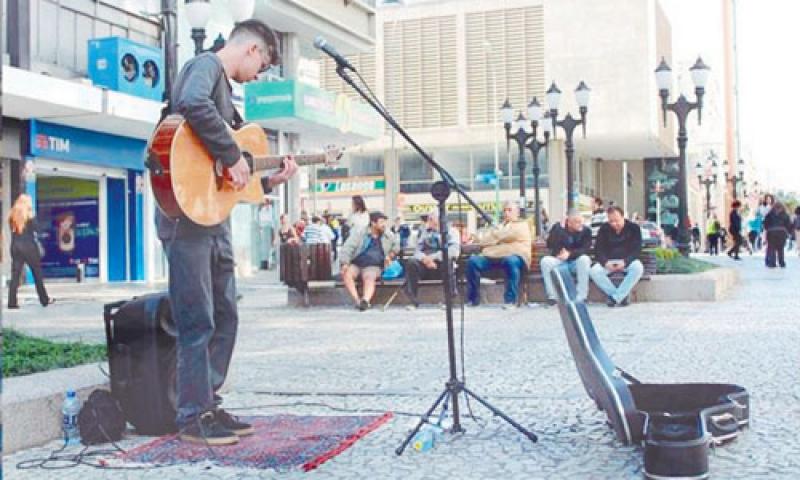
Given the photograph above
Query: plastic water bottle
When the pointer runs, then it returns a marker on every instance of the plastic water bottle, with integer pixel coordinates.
(69, 420)
(426, 437)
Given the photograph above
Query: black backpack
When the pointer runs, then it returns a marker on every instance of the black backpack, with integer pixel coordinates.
(100, 419)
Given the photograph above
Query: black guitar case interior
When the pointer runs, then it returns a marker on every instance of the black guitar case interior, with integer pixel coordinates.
(677, 423)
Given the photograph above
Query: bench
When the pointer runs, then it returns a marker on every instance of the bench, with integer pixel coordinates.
(307, 268)
(302, 266)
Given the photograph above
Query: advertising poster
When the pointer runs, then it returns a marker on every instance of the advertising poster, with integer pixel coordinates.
(68, 214)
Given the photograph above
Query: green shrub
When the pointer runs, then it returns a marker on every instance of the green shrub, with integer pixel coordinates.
(666, 254)
(23, 355)
(681, 264)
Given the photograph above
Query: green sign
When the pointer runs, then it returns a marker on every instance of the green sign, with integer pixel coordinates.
(350, 186)
(283, 103)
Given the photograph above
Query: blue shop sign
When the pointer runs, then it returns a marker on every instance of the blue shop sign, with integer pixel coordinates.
(85, 146)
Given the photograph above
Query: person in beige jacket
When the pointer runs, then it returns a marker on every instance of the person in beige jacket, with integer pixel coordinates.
(506, 246)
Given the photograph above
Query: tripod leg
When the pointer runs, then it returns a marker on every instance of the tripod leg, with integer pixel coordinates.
(533, 438)
(445, 395)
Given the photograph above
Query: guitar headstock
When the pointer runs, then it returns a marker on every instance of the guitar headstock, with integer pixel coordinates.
(332, 155)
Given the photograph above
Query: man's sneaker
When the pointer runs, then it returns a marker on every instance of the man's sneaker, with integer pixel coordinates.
(611, 302)
(625, 302)
(207, 430)
(233, 423)
(363, 305)
(412, 307)
(551, 302)
(509, 306)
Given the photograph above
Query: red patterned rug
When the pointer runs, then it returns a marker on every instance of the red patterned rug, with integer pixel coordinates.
(281, 442)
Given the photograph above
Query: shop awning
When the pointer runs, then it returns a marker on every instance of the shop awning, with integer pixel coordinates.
(76, 103)
(320, 117)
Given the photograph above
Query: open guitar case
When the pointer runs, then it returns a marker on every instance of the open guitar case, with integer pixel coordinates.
(676, 423)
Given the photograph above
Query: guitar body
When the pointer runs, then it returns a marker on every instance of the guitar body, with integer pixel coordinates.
(186, 182)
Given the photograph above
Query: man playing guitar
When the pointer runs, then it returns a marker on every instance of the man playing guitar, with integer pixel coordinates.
(202, 287)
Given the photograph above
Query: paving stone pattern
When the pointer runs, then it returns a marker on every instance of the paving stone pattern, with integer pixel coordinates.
(320, 361)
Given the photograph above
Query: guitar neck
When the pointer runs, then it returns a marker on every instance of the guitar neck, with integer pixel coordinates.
(270, 162)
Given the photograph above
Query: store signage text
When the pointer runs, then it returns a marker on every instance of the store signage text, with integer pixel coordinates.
(349, 186)
(54, 144)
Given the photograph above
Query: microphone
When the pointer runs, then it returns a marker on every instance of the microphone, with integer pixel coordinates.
(322, 44)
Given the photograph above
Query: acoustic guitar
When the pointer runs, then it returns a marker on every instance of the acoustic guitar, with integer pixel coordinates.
(186, 180)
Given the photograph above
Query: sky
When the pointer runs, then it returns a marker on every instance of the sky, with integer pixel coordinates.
(768, 74)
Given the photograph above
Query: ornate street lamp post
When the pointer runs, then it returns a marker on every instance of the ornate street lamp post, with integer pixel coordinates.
(734, 180)
(198, 13)
(682, 107)
(530, 141)
(707, 176)
(569, 123)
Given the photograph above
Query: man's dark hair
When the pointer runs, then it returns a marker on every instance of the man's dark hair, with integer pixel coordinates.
(259, 30)
(615, 208)
(598, 201)
(315, 219)
(375, 216)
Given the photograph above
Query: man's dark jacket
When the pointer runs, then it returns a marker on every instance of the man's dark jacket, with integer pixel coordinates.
(577, 243)
(735, 223)
(627, 245)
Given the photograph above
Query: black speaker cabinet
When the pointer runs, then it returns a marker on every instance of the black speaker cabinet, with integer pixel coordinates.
(140, 337)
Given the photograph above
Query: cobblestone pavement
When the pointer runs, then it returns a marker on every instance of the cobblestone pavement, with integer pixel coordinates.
(321, 360)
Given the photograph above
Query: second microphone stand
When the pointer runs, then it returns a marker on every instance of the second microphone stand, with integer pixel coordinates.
(440, 191)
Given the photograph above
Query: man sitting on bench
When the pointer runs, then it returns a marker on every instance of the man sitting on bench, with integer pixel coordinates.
(619, 244)
(569, 246)
(367, 252)
(508, 246)
(427, 261)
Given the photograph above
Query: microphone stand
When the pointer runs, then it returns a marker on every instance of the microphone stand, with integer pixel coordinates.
(440, 191)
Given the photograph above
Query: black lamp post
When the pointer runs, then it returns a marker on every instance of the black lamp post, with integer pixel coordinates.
(169, 13)
(198, 13)
(682, 107)
(734, 180)
(707, 176)
(520, 136)
(569, 123)
(528, 140)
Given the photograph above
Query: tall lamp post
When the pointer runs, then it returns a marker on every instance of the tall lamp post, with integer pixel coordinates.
(569, 123)
(521, 136)
(682, 107)
(707, 176)
(734, 180)
(198, 13)
(530, 141)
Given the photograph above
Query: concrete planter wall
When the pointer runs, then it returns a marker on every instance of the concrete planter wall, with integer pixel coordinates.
(708, 286)
(32, 403)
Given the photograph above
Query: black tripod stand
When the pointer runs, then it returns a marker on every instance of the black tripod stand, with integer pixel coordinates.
(440, 191)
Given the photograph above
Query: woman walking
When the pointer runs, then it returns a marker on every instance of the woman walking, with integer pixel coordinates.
(25, 250)
(287, 233)
(777, 226)
(735, 229)
(359, 218)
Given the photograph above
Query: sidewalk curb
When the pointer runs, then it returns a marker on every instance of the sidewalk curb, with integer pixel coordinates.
(32, 403)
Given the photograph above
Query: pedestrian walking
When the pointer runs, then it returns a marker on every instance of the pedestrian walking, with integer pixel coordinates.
(712, 235)
(735, 229)
(25, 250)
(796, 225)
(777, 225)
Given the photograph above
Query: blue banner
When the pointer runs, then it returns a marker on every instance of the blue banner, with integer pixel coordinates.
(85, 146)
